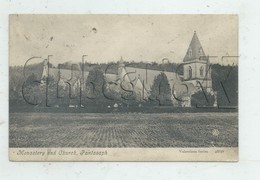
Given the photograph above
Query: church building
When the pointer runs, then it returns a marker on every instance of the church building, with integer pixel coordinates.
(196, 65)
(196, 76)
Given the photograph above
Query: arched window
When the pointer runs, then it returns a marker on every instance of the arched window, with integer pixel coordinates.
(190, 52)
(200, 51)
(190, 72)
(201, 71)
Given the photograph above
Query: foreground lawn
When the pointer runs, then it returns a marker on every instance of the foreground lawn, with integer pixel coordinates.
(123, 130)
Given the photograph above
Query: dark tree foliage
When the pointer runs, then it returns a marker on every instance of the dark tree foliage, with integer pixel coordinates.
(23, 85)
(32, 92)
(32, 80)
(68, 65)
(95, 88)
(95, 82)
(225, 83)
(16, 78)
(161, 91)
(201, 99)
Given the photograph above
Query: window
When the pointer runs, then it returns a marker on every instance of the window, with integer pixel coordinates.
(190, 72)
(190, 52)
(201, 71)
(201, 51)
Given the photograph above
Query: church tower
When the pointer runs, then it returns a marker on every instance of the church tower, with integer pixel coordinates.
(121, 67)
(122, 74)
(196, 65)
(45, 69)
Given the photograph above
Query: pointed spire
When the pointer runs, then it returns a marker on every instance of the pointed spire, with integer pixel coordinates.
(195, 50)
(121, 62)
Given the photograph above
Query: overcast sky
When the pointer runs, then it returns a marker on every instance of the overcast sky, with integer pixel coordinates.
(106, 38)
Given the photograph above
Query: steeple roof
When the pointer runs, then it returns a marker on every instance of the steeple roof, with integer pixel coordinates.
(195, 50)
(121, 62)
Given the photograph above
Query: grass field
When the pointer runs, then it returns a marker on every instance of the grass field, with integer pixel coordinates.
(123, 130)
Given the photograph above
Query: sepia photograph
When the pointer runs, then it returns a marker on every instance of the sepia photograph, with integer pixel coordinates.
(123, 87)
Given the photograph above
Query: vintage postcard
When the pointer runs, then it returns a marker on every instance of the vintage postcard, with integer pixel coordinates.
(123, 87)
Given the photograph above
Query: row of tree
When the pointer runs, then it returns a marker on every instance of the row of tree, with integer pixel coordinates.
(112, 67)
(97, 92)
